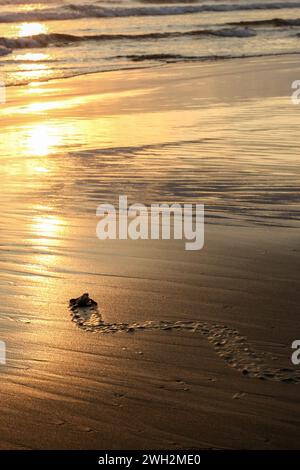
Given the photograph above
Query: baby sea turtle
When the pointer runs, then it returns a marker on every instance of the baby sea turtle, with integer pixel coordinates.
(83, 301)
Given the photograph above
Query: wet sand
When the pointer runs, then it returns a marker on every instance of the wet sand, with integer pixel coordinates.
(65, 387)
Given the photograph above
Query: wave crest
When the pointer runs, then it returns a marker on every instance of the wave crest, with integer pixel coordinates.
(52, 39)
(72, 11)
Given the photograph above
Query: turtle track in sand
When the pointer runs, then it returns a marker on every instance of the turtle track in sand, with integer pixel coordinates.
(227, 342)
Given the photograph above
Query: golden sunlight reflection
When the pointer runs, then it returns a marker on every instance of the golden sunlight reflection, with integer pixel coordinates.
(41, 140)
(40, 169)
(48, 226)
(47, 233)
(31, 29)
(31, 69)
(71, 102)
(30, 66)
(38, 72)
(35, 88)
(41, 106)
(36, 141)
(32, 56)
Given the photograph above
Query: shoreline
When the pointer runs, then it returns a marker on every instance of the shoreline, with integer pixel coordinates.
(188, 62)
(97, 117)
(70, 145)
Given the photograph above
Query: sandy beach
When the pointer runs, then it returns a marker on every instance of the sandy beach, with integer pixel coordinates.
(230, 130)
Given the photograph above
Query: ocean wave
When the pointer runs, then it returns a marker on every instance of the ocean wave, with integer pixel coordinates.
(277, 22)
(58, 39)
(39, 40)
(234, 32)
(167, 58)
(4, 50)
(178, 9)
(73, 11)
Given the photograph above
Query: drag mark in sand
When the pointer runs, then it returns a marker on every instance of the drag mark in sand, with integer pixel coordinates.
(228, 343)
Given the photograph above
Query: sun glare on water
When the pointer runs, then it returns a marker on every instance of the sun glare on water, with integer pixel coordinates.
(31, 29)
(41, 139)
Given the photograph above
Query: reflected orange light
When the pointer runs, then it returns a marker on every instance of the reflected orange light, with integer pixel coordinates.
(40, 169)
(48, 226)
(41, 140)
(31, 29)
(32, 56)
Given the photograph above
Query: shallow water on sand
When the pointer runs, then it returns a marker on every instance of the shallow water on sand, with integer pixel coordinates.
(230, 143)
(163, 135)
